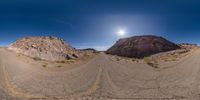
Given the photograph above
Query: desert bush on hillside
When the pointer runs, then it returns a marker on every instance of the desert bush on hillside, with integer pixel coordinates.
(44, 65)
(149, 62)
(37, 59)
(59, 66)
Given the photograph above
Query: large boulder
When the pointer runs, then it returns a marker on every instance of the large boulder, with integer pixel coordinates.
(141, 46)
(47, 48)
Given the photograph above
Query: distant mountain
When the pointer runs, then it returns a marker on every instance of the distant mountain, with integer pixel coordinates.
(47, 48)
(188, 46)
(89, 50)
(141, 46)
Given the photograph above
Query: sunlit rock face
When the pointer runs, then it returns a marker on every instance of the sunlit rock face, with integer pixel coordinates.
(141, 46)
(47, 48)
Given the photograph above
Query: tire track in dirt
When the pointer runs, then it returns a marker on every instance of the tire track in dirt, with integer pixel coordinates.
(187, 61)
(11, 89)
(124, 81)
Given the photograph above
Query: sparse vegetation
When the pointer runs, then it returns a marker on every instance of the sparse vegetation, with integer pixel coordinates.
(61, 61)
(146, 59)
(173, 59)
(154, 65)
(72, 61)
(170, 58)
(133, 59)
(51, 37)
(150, 62)
(44, 65)
(59, 66)
(118, 59)
(18, 55)
(66, 61)
(37, 59)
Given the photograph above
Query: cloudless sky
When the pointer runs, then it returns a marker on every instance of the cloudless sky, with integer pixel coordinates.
(94, 23)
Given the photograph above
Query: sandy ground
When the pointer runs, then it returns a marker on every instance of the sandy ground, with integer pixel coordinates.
(102, 77)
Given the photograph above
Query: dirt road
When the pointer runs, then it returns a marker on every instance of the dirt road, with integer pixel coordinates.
(101, 78)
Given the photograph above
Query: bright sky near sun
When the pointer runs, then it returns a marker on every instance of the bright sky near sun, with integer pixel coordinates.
(121, 32)
(99, 23)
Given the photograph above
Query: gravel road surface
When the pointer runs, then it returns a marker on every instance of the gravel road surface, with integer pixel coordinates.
(101, 78)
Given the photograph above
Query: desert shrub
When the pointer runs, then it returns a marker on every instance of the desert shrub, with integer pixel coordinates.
(170, 58)
(44, 65)
(72, 61)
(118, 59)
(37, 58)
(133, 59)
(59, 66)
(146, 60)
(66, 61)
(51, 37)
(173, 58)
(154, 65)
(18, 55)
(61, 61)
(150, 63)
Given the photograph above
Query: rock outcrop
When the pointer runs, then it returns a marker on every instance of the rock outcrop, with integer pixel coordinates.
(141, 46)
(47, 48)
(188, 46)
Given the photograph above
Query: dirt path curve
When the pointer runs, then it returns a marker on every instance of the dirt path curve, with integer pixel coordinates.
(128, 80)
(103, 77)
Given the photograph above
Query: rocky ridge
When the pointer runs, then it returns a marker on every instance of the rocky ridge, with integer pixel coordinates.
(46, 48)
(141, 46)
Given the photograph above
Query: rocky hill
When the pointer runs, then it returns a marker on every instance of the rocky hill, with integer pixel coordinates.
(89, 50)
(141, 46)
(188, 46)
(47, 48)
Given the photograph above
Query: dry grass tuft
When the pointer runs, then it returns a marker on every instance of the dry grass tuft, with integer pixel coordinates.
(45, 65)
(150, 62)
(170, 58)
(59, 66)
(118, 59)
(66, 61)
(37, 59)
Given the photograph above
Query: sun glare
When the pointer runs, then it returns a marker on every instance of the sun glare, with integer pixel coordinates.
(121, 32)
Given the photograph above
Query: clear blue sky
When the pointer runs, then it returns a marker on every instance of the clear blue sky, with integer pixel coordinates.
(94, 23)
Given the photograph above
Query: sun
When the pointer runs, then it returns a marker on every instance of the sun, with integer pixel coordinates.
(121, 32)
